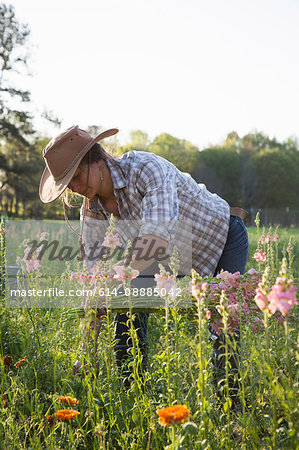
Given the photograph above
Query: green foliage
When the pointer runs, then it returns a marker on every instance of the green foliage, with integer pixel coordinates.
(21, 162)
(179, 371)
(276, 171)
(15, 124)
(139, 140)
(220, 167)
(180, 152)
(252, 171)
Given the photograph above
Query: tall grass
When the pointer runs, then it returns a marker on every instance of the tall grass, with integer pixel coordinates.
(179, 372)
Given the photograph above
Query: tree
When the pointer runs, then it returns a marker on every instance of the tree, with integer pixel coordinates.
(248, 147)
(219, 170)
(15, 124)
(180, 152)
(139, 140)
(277, 171)
(20, 157)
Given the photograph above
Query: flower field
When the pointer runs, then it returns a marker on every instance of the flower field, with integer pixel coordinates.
(180, 401)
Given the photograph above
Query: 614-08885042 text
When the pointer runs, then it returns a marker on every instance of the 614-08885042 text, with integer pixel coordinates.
(140, 292)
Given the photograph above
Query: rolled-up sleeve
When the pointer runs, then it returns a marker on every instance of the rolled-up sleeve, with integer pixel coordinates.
(159, 209)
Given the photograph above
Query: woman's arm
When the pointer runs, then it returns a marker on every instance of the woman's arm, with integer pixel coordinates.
(147, 249)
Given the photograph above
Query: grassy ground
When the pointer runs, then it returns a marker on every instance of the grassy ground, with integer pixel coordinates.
(179, 372)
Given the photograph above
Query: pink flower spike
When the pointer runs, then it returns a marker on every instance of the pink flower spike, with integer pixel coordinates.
(228, 279)
(260, 257)
(165, 285)
(260, 299)
(111, 240)
(281, 297)
(123, 273)
(198, 289)
(265, 239)
(252, 272)
(208, 314)
(275, 237)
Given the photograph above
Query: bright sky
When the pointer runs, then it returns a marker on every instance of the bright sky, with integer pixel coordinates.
(196, 69)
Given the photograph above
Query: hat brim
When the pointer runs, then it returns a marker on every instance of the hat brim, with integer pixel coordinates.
(49, 189)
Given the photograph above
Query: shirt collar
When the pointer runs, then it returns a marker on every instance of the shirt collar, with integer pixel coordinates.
(117, 174)
(119, 182)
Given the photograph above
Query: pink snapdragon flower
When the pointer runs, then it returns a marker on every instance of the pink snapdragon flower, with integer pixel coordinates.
(265, 239)
(268, 238)
(254, 274)
(83, 278)
(43, 236)
(228, 279)
(261, 299)
(32, 263)
(208, 314)
(275, 237)
(100, 272)
(111, 240)
(165, 284)
(240, 291)
(124, 272)
(282, 296)
(198, 289)
(260, 257)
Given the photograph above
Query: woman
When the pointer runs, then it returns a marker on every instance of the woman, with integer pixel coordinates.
(146, 188)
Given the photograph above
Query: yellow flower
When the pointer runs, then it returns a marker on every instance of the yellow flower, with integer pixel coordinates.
(66, 414)
(69, 400)
(173, 414)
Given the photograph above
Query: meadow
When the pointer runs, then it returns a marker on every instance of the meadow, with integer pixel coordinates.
(38, 347)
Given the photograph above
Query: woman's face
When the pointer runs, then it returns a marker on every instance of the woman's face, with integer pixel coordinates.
(95, 185)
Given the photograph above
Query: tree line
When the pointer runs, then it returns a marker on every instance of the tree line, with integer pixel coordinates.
(249, 171)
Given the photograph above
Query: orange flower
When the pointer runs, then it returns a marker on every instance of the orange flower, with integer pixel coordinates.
(69, 400)
(21, 362)
(66, 414)
(173, 414)
(7, 360)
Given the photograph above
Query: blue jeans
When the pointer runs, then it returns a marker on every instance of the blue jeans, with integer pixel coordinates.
(233, 259)
(235, 253)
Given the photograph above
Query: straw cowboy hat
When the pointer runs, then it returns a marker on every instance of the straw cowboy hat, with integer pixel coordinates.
(63, 155)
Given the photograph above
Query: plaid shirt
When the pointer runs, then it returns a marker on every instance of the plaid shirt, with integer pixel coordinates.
(153, 192)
